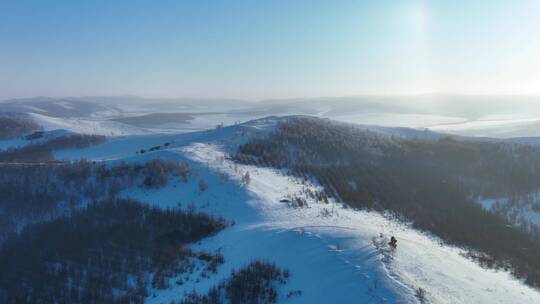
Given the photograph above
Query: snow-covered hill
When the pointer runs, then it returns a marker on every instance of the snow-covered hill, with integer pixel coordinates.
(86, 125)
(491, 116)
(335, 254)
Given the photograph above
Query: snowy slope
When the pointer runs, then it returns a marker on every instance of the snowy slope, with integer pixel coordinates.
(478, 116)
(23, 141)
(334, 254)
(420, 261)
(496, 126)
(13, 143)
(85, 125)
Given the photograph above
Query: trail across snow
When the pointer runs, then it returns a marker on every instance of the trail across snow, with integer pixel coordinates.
(420, 261)
(335, 254)
(323, 271)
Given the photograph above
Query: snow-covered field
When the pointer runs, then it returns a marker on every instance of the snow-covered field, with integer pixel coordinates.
(86, 125)
(494, 126)
(522, 123)
(399, 120)
(335, 254)
(488, 126)
(500, 116)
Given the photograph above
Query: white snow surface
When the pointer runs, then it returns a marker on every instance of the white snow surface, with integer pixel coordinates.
(86, 126)
(398, 120)
(493, 126)
(335, 254)
(496, 126)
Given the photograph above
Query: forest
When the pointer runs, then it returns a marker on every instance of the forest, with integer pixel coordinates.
(434, 184)
(12, 127)
(36, 192)
(107, 252)
(67, 237)
(43, 151)
(254, 283)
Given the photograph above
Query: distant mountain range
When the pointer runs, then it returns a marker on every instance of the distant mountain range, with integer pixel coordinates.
(495, 116)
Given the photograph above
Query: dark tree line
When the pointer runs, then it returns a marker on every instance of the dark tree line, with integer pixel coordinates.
(43, 151)
(31, 193)
(434, 183)
(253, 284)
(11, 127)
(109, 252)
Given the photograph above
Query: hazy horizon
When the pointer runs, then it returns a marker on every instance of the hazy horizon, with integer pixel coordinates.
(254, 50)
(202, 97)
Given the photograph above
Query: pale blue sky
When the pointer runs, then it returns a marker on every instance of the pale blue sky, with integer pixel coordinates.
(268, 49)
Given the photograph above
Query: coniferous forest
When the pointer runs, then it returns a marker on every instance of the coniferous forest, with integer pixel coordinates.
(66, 237)
(255, 283)
(43, 151)
(11, 127)
(108, 252)
(434, 183)
(36, 192)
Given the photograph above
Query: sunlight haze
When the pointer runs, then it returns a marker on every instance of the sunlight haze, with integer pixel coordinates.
(268, 49)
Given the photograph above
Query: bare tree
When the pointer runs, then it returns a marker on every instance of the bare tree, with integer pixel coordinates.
(246, 179)
(202, 185)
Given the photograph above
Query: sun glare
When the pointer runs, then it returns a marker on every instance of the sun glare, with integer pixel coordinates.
(420, 18)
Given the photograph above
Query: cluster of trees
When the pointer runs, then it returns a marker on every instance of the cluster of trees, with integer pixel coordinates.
(108, 252)
(515, 210)
(42, 152)
(11, 127)
(299, 201)
(35, 135)
(246, 179)
(252, 284)
(35, 192)
(434, 183)
(157, 171)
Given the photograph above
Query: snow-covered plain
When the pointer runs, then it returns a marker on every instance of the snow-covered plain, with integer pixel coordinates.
(493, 126)
(522, 123)
(86, 125)
(398, 120)
(335, 254)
